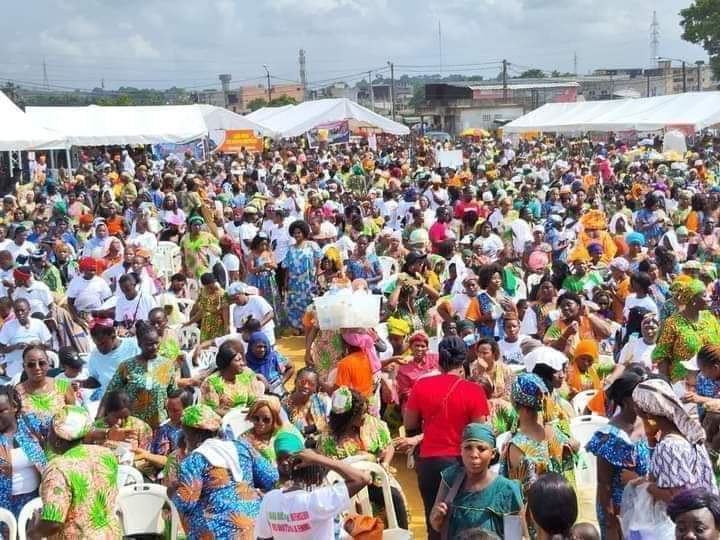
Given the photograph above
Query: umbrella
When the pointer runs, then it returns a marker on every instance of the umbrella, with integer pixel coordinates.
(474, 132)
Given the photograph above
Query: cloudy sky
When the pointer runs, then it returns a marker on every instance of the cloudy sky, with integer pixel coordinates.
(158, 43)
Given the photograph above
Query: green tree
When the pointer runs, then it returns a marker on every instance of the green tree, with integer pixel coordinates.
(532, 74)
(701, 25)
(282, 100)
(257, 103)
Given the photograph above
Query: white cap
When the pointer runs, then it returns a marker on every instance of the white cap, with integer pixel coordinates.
(241, 288)
(691, 365)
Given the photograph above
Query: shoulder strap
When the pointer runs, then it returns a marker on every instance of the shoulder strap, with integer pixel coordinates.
(449, 498)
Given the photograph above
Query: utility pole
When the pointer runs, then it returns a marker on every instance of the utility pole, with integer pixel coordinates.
(684, 77)
(575, 70)
(392, 89)
(647, 93)
(699, 65)
(303, 74)
(654, 39)
(440, 47)
(372, 93)
(269, 91)
(504, 79)
(46, 83)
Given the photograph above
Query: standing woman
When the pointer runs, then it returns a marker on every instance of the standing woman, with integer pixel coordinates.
(684, 333)
(40, 394)
(261, 269)
(147, 378)
(542, 303)
(622, 451)
(422, 363)
(491, 304)
(211, 309)
(22, 458)
(302, 262)
(679, 460)
(198, 248)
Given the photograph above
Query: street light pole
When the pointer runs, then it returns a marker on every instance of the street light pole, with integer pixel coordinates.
(684, 77)
(269, 91)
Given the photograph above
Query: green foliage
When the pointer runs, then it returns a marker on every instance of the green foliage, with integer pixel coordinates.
(532, 74)
(701, 25)
(283, 100)
(257, 103)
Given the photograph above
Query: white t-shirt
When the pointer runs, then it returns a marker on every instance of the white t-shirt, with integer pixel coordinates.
(38, 295)
(25, 249)
(231, 262)
(258, 308)
(146, 240)
(636, 351)
(25, 476)
(441, 194)
(280, 240)
(248, 231)
(510, 352)
(133, 310)
(233, 230)
(13, 332)
(88, 295)
(301, 515)
(633, 301)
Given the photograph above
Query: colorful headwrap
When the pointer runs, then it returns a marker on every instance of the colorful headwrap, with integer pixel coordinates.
(101, 322)
(594, 248)
(635, 238)
(196, 219)
(587, 347)
(656, 397)
(201, 417)
(688, 291)
(288, 442)
(366, 343)
(87, 264)
(593, 220)
(579, 254)
(341, 400)
(71, 423)
(419, 336)
(22, 273)
(528, 390)
(477, 432)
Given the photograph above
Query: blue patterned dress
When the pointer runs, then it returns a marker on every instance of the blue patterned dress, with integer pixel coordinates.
(300, 263)
(166, 438)
(212, 504)
(614, 446)
(31, 431)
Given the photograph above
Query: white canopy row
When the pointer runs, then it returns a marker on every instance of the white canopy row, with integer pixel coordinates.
(18, 132)
(696, 109)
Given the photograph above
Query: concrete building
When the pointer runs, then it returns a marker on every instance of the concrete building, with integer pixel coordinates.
(239, 98)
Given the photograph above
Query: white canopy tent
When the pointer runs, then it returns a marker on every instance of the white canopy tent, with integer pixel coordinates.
(264, 113)
(96, 126)
(697, 109)
(301, 118)
(19, 132)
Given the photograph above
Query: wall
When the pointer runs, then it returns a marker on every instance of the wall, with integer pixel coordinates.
(484, 117)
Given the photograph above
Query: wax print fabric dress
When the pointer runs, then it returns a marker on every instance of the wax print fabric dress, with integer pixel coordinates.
(680, 339)
(166, 439)
(47, 402)
(374, 438)
(300, 263)
(79, 488)
(614, 446)
(214, 505)
(148, 385)
(217, 393)
(31, 431)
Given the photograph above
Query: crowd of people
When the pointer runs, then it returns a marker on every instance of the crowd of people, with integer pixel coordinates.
(540, 281)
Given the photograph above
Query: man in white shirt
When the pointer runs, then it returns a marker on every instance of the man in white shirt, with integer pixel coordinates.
(233, 227)
(87, 292)
(20, 246)
(35, 292)
(18, 333)
(436, 194)
(248, 303)
(248, 229)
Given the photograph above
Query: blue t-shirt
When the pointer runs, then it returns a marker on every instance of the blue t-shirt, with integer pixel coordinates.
(102, 366)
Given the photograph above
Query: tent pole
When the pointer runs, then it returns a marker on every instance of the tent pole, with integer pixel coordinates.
(52, 159)
(67, 157)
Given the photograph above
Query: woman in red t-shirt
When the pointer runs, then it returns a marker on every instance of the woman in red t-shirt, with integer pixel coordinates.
(441, 406)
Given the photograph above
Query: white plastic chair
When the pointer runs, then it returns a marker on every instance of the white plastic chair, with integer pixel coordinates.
(392, 522)
(128, 475)
(236, 421)
(206, 358)
(140, 508)
(581, 400)
(185, 305)
(582, 428)
(93, 407)
(26, 515)
(10, 522)
(388, 265)
(189, 337)
(167, 258)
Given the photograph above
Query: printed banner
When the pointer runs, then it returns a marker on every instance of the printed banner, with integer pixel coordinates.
(237, 140)
(330, 133)
(164, 150)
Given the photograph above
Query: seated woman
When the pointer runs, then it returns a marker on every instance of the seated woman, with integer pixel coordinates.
(22, 459)
(471, 496)
(263, 359)
(306, 407)
(353, 432)
(233, 384)
(582, 373)
(268, 420)
(40, 394)
(118, 426)
(218, 482)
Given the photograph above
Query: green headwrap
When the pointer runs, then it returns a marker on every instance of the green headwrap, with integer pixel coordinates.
(196, 219)
(690, 290)
(478, 432)
(287, 442)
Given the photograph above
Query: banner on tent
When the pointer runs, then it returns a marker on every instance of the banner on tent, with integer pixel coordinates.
(449, 158)
(330, 133)
(237, 140)
(597, 137)
(164, 150)
(630, 137)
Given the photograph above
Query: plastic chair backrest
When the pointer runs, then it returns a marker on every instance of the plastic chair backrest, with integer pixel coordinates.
(189, 337)
(26, 515)
(388, 265)
(140, 507)
(582, 428)
(379, 473)
(236, 420)
(207, 357)
(10, 522)
(128, 475)
(581, 400)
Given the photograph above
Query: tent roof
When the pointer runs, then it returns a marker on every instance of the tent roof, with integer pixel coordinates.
(19, 132)
(95, 126)
(301, 118)
(264, 113)
(697, 109)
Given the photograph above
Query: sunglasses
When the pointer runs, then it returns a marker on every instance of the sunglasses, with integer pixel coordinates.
(33, 365)
(262, 419)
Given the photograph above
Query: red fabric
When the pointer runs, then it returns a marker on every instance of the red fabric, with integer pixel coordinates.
(461, 207)
(437, 233)
(443, 423)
